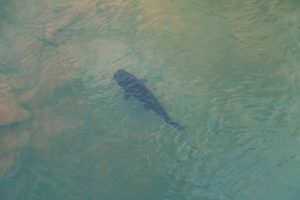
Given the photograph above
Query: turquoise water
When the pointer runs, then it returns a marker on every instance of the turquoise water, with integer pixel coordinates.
(228, 70)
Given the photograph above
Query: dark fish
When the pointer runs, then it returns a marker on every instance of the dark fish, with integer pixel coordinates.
(135, 87)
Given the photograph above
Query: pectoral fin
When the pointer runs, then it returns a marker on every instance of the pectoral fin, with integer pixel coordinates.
(126, 95)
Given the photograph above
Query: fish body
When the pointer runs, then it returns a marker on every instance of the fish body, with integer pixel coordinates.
(136, 87)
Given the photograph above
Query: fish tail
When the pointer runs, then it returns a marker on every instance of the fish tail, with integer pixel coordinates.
(177, 125)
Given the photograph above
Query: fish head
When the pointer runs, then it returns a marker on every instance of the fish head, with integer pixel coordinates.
(120, 75)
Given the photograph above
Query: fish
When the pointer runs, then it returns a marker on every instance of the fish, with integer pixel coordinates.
(135, 87)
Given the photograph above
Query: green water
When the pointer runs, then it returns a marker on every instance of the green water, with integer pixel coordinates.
(227, 69)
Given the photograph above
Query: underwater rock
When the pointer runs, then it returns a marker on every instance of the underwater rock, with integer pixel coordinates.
(27, 96)
(11, 145)
(72, 15)
(49, 125)
(254, 28)
(7, 162)
(10, 110)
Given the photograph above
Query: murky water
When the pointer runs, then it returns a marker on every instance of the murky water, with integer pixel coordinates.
(228, 70)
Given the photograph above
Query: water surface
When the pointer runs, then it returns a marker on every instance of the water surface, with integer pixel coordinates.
(228, 70)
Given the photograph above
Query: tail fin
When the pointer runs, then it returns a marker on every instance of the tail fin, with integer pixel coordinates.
(177, 125)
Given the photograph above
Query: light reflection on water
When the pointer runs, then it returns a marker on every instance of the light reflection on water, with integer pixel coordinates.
(226, 69)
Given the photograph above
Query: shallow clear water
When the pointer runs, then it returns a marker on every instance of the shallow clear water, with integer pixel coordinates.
(228, 70)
